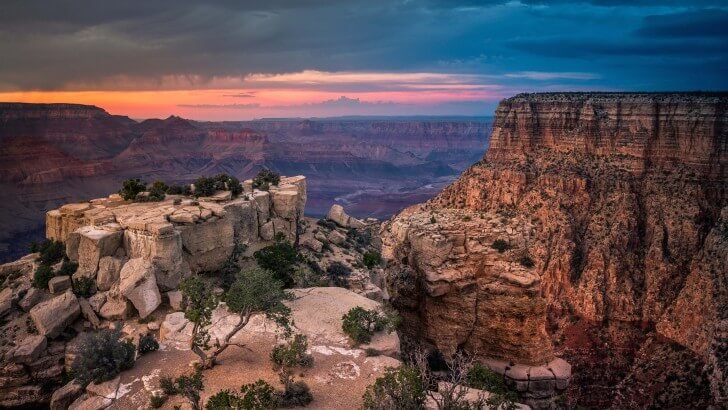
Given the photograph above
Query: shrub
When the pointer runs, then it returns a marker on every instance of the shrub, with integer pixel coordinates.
(258, 395)
(157, 401)
(305, 277)
(360, 324)
(190, 387)
(399, 388)
(68, 268)
(295, 394)
(84, 286)
(42, 275)
(338, 273)
(102, 356)
(326, 223)
(176, 189)
(361, 237)
(500, 245)
(51, 252)
(147, 343)
(158, 191)
(33, 247)
(280, 259)
(223, 400)
(481, 377)
(292, 354)
(433, 220)
(167, 385)
(131, 188)
(204, 186)
(526, 261)
(228, 183)
(265, 179)
(372, 259)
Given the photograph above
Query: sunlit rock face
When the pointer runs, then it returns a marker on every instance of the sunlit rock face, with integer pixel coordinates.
(619, 200)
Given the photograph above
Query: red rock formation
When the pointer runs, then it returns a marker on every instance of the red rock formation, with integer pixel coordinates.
(58, 153)
(628, 196)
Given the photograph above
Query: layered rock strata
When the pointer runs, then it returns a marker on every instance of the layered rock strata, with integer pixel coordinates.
(136, 249)
(619, 201)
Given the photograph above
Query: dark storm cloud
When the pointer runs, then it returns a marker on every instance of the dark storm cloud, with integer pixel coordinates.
(84, 44)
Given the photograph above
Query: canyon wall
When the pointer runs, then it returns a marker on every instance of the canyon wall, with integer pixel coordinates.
(52, 154)
(611, 216)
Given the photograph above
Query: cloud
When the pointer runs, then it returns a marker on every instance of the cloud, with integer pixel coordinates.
(701, 23)
(540, 75)
(86, 45)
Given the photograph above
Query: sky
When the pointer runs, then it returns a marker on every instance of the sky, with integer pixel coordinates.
(238, 60)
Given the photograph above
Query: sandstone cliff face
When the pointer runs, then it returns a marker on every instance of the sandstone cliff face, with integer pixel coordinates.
(625, 196)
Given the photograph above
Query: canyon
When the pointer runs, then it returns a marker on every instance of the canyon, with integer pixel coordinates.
(595, 229)
(52, 154)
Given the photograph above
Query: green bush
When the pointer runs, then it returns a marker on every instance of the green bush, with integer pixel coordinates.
(265, 179)
(339, 273)
(500, 245)
(224, 400)
(205, 186)
(177, 189)
(279, 258)
(292, 354)
(295, 394)
(328, 224)
(131, 188)
(157, 401)
(102, 356)
(228, 183)
(68, 268)
(157, 192)
(84, 286)
(400, 388)
(361, 237)
(42, 275)
(51, 252)
(188, 386)
(167, 385)
(481, 377)
(254, 396)
(147, 343)
(526, 261)
(360, 324)
(372, 259)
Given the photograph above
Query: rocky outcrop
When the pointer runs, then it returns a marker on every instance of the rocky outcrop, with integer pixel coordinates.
(612, 209)
(52, 316)
(338, 215)
(52, 154)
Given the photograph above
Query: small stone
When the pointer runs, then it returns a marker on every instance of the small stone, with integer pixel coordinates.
(59, 284)
(63, 397)
(175, 299)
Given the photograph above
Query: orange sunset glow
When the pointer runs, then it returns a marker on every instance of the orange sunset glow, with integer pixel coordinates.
(283, 95)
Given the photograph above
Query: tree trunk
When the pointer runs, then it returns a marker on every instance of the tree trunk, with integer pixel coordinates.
(226, 340)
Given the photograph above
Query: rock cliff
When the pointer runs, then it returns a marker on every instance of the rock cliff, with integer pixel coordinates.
(53, 154)
(595, 221)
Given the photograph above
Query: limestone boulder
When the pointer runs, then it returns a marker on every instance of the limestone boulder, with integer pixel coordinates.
(88, 313)
(138, 283)
(108, 273)
(7, 298)
(93, 244)
(262, 200)
(336, 237)
(341, 218)
(312, 243)
(267, 231)
(52, 316)
(243, 216)
(174, 297)
(31, 298)
(165, 249)
(59, 284)
(115, 308)
(207, 245)
(28, 349)
(285, 202)
(63, 397)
